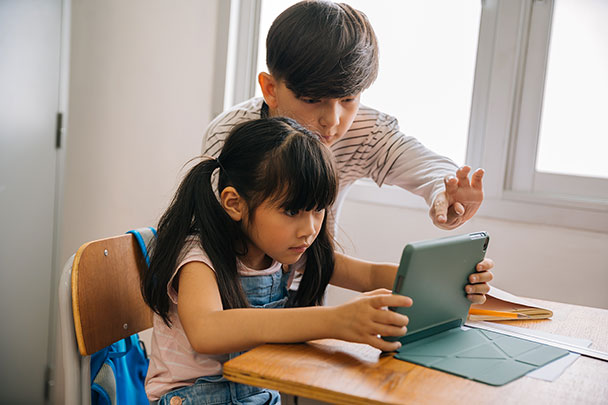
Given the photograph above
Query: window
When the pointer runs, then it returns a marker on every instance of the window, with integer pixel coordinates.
(512, 81)
(427, 65)
(575, 102)
(516, 110)
(560, 146)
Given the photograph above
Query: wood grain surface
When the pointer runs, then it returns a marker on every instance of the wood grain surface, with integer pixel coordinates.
(106, 296)
(348, 373)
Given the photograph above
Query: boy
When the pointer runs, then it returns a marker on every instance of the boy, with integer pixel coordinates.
(321, 56)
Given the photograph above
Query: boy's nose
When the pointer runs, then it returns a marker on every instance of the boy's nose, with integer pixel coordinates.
(330, 116)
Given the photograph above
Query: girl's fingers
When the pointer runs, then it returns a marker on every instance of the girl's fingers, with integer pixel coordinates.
(476, 298)
(482, 277)
(382, 344)
(390, 318)
(485, 264)
(482, 288)
(379, 291)
(483, 274)
(390, 300)
(388, 330)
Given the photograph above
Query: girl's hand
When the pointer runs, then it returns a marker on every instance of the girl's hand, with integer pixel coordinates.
(477, 290)
(366, 318)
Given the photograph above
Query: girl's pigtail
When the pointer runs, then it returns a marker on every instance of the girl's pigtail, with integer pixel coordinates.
(221, 238)
(194, 210)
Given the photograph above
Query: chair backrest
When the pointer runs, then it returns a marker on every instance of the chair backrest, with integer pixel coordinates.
(100, 303)
(106, 295)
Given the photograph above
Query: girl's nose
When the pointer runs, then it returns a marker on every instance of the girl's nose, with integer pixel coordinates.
(307, 225)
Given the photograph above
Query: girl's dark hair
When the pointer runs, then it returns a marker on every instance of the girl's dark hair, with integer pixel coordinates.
(322, 49)
(269, 158)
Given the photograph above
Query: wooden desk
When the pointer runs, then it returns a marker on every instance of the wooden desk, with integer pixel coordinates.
(348, 373)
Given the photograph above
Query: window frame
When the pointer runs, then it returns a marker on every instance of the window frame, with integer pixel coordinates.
(504, 119)
(522, 175)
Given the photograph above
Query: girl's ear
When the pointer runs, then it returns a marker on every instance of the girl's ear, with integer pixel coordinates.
(268, 85)
(232, 203)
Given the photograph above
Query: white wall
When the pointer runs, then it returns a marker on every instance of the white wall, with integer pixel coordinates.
(140, 96)
(553, 263)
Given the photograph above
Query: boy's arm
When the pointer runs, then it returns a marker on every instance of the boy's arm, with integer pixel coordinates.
(405, 162)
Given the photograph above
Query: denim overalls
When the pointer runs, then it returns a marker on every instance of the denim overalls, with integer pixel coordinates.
(262, 292)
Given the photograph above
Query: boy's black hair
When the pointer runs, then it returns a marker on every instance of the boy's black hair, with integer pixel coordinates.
(322, 49)
(269, 159)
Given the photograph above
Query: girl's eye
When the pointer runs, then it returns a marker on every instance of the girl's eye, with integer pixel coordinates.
(291, 213)
(319, 210)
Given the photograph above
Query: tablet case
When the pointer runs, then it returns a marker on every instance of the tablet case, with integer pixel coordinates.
(434, 273)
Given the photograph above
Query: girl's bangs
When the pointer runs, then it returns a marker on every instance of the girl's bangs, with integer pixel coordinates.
(306, 193)
(302, 177)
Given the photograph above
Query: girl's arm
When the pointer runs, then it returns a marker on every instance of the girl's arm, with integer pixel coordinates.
(360, 275)
(212, 330)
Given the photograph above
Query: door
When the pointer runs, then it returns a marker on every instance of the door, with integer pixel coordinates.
(30, 37)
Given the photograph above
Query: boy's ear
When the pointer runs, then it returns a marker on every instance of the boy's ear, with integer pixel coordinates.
(268, 85)
(232, 203)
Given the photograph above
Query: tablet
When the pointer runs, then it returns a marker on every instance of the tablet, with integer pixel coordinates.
(434, 273)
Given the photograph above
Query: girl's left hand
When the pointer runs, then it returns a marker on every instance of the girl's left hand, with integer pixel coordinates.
(477, 290)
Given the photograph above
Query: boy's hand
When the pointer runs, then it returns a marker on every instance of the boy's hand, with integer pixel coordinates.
(477, 290)
(460, 200)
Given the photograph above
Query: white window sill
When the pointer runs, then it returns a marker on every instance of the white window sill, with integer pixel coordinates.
(513, 206)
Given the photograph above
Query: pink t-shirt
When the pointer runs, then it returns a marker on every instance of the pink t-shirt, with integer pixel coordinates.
(173, 361)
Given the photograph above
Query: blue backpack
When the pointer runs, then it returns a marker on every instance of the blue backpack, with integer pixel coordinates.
(118, 371)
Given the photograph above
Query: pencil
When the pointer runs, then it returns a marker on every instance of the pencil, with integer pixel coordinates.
(500, 314)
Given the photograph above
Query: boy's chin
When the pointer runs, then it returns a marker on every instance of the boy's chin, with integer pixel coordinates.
(329, 140)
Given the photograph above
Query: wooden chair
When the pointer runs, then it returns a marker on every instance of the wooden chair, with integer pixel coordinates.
(100, 303)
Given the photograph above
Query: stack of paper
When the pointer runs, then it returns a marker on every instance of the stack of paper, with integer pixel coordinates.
(503, 306)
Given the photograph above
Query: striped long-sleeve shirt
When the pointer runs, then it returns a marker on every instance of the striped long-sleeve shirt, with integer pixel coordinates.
(373, 147)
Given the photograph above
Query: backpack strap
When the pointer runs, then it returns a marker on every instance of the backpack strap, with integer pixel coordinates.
(144, 237)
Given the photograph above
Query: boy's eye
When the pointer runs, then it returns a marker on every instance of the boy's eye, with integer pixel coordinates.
(319, 210)
(348, 100)
(291, 213)
(309, 100)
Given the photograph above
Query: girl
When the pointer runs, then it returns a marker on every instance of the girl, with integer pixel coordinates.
(221, 259)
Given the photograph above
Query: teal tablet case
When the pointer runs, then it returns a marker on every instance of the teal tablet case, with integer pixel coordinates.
(434, 273)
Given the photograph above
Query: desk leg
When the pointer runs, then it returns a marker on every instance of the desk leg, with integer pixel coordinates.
(287, 399)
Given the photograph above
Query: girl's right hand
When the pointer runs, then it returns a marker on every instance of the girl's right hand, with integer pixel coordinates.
(366, 318)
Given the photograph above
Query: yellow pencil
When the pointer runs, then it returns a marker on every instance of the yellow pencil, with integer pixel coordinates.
(500, 314)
